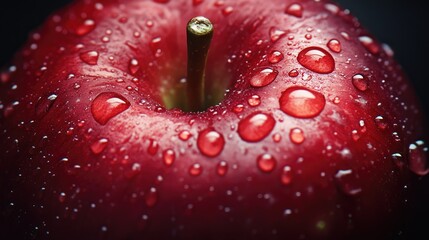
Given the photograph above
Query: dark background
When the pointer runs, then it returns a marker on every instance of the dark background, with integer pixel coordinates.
(399, 23)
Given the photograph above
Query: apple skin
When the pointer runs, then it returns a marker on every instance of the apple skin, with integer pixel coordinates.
(87, 146)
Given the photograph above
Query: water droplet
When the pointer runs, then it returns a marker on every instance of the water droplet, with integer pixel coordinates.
(418, 162)
(301, 102)
(90, 57)
(334, 45)
(108, 105)
(275, 56)
(44, 104)
(222, 168)
(62, 197)
(228, 10)
(210, 142)
(334, 9)
(317, 60)
(254, 100)
(133, 66)
(296, 135)
(388, 50)
(308, 36)
(286, 177)
(185, 135)
(238, 108)
(276, 34)
(153, 147)
(86, 27)
(369, 44)
(266, 163)
(360, 82)
(151, 198)
(347, 182)
(293, 73)
(399, 160)
(98, 146)
(256, 126)
(381, 122)
(169, 157)
(294, 9)
(264, 77)
(195, 170)
(277, 137)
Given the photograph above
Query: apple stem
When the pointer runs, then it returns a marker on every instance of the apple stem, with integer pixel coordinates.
(199, 34)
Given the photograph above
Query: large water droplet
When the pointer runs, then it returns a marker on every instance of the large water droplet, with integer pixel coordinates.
(222, 168)
(418, 154)
(264, 77)
(275, 57)
(301, 102)
(317, 60)
(108, 105)
(369, 44)
(98, 146)
(256, 126)
(86, 27)
(169, 156)
(210, 142)
(151, 197)
(266, 163)
(44, 104)
(90, 57)
(347, 182)
(296, 135)
(360, 82)
(195, 169)
(295, 9)
(334, 45)
(286, 177)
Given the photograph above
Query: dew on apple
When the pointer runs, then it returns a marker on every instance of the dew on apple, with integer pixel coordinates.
(195, 169)
(98, 146)
(370, 44)
(306, 76)
(108, 105)
(210, 142)
(238, 108)
(86, 27)
(62, 197)
(168, 157)
(228, 10)
(334, 45)
(254, 100)
(222, 168)
(399, 160)
(256, 126)
(418, 154)
(185, 135)
(152, 149)
(317, 60)
(308, 36)
(275, 56)
(266, 163)
(296, 135)
(277, 137)
(360, 82)
(334, 9)
(293, 73)
(90, 57)
(302, 102)
(151, 197)
(295, 9)
(381, 122)
(276, 34)
(347, 182)
(286, 176)
(264, 77)
(44, 104)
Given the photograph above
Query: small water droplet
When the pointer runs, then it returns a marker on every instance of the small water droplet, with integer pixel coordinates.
(98, 146)
(264, 77)
(185, 135)
(277, 137)
(286, 177)
(388, 50)
(276, 34)
(296, 135)
(275, 56)
(301, 102)
(86, 27)
(228, 10)
(153, 147)
(369, 44)
(254, 100)
(90, 57)
(317, 60)
(210, 142)
(195, 170)
(347, 182)
(169, 156)
(62, 197)
(151, 198)
(399, 160)
(238, 108)
(293, 73)
(334, 45)
(108, 105)
(222, 168)
(44, 104)
(266, 163)
(133, 66)
(334, 9)
(381, 122)
(256, 127)
(418, 154)
(295, 9)
(360, 82)
(308, 36)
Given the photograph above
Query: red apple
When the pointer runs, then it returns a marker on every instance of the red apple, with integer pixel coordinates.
(303, 127)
